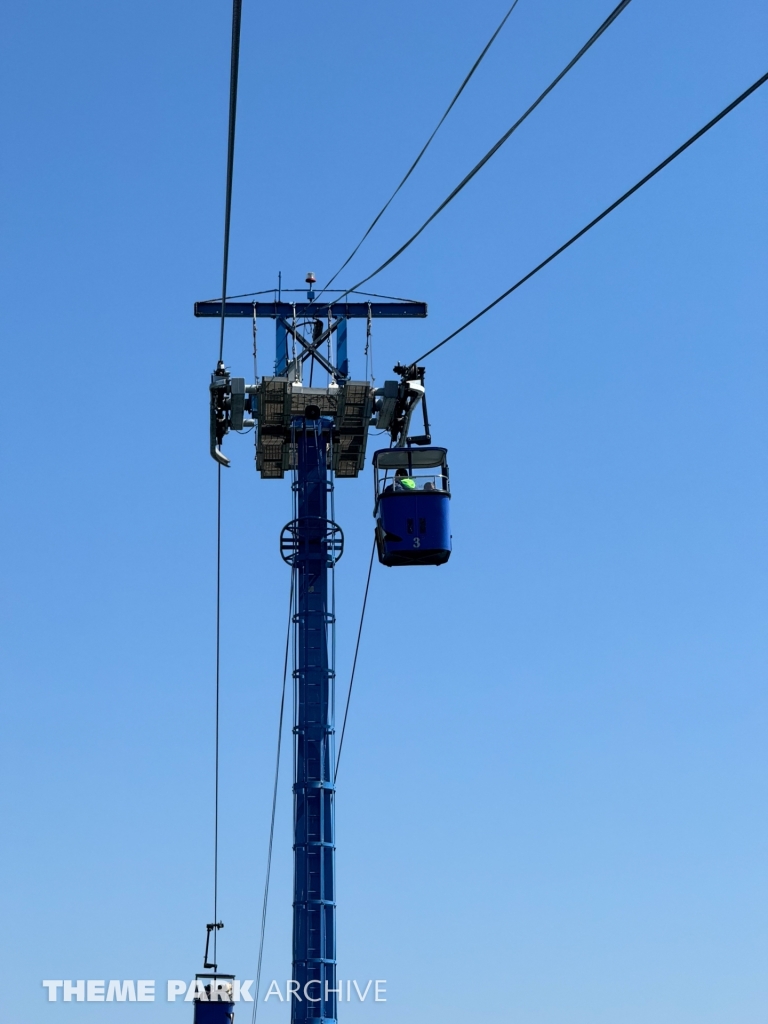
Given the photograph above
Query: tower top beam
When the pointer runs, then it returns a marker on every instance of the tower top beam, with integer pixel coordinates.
(317, 310)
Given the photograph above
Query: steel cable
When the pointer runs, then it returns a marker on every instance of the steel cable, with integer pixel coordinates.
(274, 805)
(664, 163)
(354, 661)
(425, 147)
(234, 65)
(218, 677)
(497, 146)
(286, 291)
(233, 76)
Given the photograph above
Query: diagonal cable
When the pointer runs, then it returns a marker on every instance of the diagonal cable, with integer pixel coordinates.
(354, 662)
(425, 147)
(218, 690)
(495, 148)
(274, 809)
(233, 75)
(235, 60)
(609, 209)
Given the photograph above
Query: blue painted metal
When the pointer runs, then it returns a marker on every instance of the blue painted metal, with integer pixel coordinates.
(314, 900)
(281, 348)
(412, 525)
(342, 362)
(414, 529)
(214, 1012)
(308, 310)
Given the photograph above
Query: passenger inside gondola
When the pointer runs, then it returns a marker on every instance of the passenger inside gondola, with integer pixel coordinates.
(403, 481)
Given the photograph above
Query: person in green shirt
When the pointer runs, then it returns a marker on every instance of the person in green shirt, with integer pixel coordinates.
(403, 482)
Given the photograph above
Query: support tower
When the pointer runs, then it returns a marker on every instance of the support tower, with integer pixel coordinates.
(317, 434)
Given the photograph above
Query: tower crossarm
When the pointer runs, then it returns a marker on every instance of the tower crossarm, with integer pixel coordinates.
(310, 310)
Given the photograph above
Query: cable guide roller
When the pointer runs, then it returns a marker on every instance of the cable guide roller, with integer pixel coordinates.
(272, 406)
(396, 404)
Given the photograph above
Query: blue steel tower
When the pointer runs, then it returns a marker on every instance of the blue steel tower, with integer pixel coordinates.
(319, 434)
(314, 902)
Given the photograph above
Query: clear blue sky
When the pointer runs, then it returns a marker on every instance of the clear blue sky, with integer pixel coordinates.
(551, 808)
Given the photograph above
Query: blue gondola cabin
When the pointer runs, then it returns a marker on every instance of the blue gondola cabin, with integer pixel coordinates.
(214, 1004)
(412, 510)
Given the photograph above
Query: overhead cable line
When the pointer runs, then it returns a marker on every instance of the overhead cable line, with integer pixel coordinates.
(425, 147)
(216, 754)
(495, 148)
(234, 64)
(274, 806)
(233, 75)
(609, 209)
(354, 662)
(285, 291)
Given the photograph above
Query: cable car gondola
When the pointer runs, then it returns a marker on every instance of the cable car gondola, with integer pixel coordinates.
(215, 1004)
(412, 506)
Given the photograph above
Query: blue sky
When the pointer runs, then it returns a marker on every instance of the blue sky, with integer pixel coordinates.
(550, 809)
